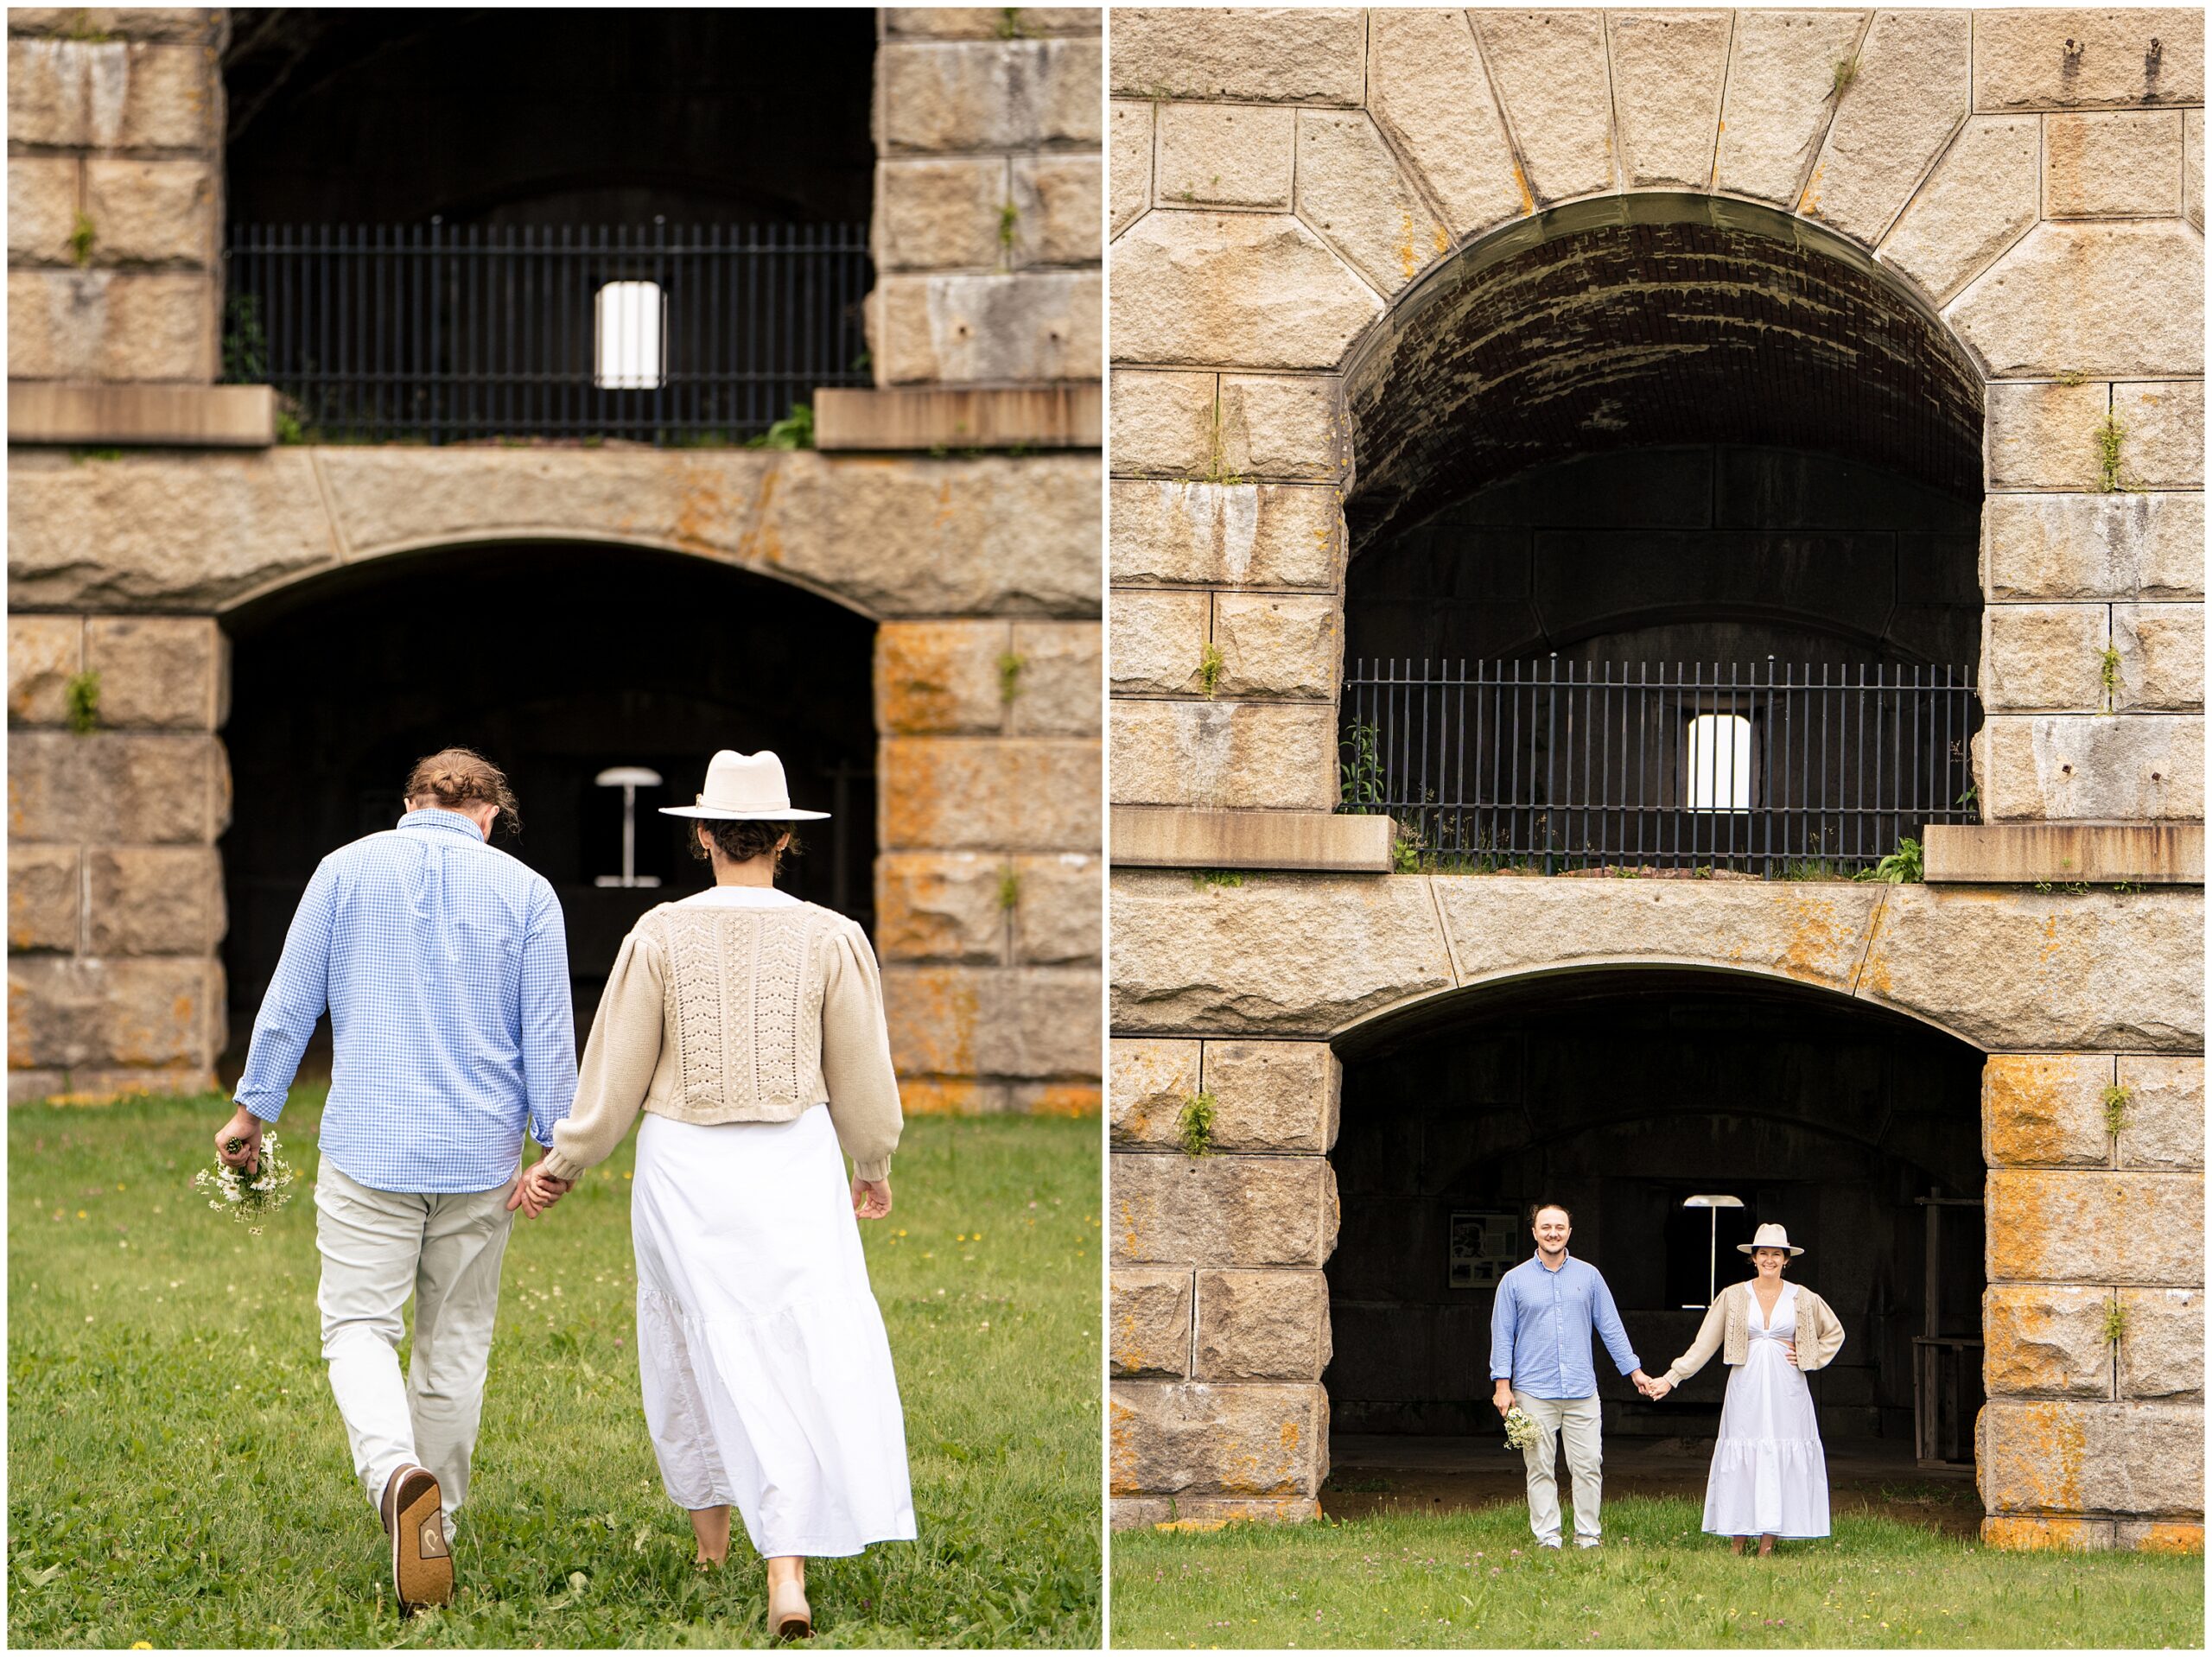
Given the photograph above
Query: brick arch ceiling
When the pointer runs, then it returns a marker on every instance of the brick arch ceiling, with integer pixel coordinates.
(1647, 320)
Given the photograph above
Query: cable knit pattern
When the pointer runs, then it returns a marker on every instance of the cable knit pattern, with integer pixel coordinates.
(719, 1013)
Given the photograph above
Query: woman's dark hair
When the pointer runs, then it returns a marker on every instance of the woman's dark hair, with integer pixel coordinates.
(741, 842)
(454, 776)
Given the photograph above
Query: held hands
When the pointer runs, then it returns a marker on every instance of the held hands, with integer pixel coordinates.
(536, 1190)
(1653, 1388)
(871, 1199)
(238, 1143)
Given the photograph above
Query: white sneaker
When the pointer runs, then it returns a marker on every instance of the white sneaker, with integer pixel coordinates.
(1589, 1541)
(1547, 1541)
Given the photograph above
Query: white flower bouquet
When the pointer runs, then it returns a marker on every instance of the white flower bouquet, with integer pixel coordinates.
(249, 1198)
(1520, 1429)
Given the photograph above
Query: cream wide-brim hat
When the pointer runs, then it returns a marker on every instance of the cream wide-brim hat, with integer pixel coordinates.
(745, 787)
(1769, 1236)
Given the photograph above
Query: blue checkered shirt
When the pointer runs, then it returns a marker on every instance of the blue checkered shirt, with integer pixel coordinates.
(445, 966)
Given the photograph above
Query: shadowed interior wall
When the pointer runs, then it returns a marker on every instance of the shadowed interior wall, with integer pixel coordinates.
(556, 661)
(1620, 1095)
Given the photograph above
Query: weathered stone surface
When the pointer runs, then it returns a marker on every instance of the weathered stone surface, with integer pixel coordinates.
(987, 95)
(2192, 162)
(110, 325)
(2039, 656)
(154, 900)
(1257, 290)
(1668, 69)
(1262, 1326)
(2073, 1457)
(157, 672)
(2116, 546)
(2042, 1341)
(2112, 166)
(986, 329)
(953, 1096)
(2081, 767)
(2045, 972)
(1349, 189)
(2163, 1126)
(1209, 1513)
(1548, 69)
(1278, 645)
(1150, 1081)
(151, 212)
(160, 532)
(2043, 434)
(969, 1021)
(1022, 794)
(67, 92)
(1159, 641)
(2158, 1536)
(939, 213)
(41, 208)
(1129, 170)
(1276, 1096)
(1909, 96)
(2116, 299)
(1254, 1438)
(2162, 1343)
(1981, 197)
(940, 678)
(1237, 535)
(175, 95)
(1056, 685)
(1224, 155)
(133, 788)
(987, 22)
(1056, 201)
(942, 907)
(1163, 423)
(1071, 1099)
(1148, 1322)
(66, 1013)
(1499, 927)
(2161, 655)
(1059, 915)
(1281, 954)
(2057, 1227)
(1280, 426)
(44, 653)
(106, 23)
(45, 897)
(1781, 79)
(1221, 1210)
(1267, 756)
(1279, 55)
(2045, 1110)
(2024, 1534)
(1428, 91)
(2058, 58)
(2162, 434)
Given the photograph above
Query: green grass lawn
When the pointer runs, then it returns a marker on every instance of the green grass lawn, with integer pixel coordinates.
(178, 1475)
(1476, 1579)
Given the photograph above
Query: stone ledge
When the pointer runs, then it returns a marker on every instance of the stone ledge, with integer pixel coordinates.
(1170, 837)
(189, 416)
(2152, 854)
(1210, 1513)
(1068, 414)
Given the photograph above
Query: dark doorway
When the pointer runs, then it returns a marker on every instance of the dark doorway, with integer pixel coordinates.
(558, 661)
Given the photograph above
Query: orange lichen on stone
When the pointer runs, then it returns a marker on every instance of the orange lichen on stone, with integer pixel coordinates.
(2022, 1534)
(1820, 942)
(1064, 1099)
(933, 1017)
(1521, 183)
(2169, 1538)
(2024, 1101)
(941, 1095)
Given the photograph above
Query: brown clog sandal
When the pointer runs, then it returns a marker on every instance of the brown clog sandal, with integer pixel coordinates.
(422, 1565)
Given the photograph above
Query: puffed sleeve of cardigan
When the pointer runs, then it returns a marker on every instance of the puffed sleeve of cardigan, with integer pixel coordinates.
(618, 1061)
(1709, 1334)
(856, 1055)
(1820, 1332)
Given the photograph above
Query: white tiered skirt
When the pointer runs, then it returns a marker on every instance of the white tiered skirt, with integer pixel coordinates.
(767, 1376)
(1770, 1475)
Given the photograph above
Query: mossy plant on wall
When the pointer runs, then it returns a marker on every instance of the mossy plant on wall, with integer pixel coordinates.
(82, 696)
(2110, 435)
(81, 242)
(1210, 665)
(2109, 675)
(2116, 1098)
(1010, 667)
(2115, 1321)
(1194, 1125)
(1009, 888)
(1217, 877)
(1901, 867)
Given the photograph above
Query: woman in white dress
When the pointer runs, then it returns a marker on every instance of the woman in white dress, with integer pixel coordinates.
(1769, 1476)
(729, 1016)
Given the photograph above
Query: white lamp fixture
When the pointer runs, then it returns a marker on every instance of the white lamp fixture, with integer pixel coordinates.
(1720, 763)
(629, 779)
(1713, 1205)
(630, 336)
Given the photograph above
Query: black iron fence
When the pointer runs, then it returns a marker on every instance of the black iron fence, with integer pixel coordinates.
(1776, 770)
(434, 333)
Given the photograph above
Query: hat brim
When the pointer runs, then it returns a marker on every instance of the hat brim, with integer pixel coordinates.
(1752, 1248)
(715, 814)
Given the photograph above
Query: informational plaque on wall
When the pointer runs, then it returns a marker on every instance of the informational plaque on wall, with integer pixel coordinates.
(1486, 1244)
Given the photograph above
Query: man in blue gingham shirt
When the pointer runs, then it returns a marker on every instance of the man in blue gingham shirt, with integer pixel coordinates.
(445, 967)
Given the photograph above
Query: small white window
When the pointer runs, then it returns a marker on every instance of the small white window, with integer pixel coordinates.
(631, 345)
(1720, 763)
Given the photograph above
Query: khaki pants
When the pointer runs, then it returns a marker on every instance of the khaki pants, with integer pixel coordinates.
(378, 1248)
(1577, 1420)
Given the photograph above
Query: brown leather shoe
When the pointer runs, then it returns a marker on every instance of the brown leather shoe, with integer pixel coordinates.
(414, 1518)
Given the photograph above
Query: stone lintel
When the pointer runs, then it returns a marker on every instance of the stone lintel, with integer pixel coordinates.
(2155, 854)
(1171, 837)
(189, 416)
(1067, 415)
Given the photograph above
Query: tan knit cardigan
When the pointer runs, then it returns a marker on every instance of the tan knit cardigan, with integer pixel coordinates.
(721, 1013)
(1727, 1329)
